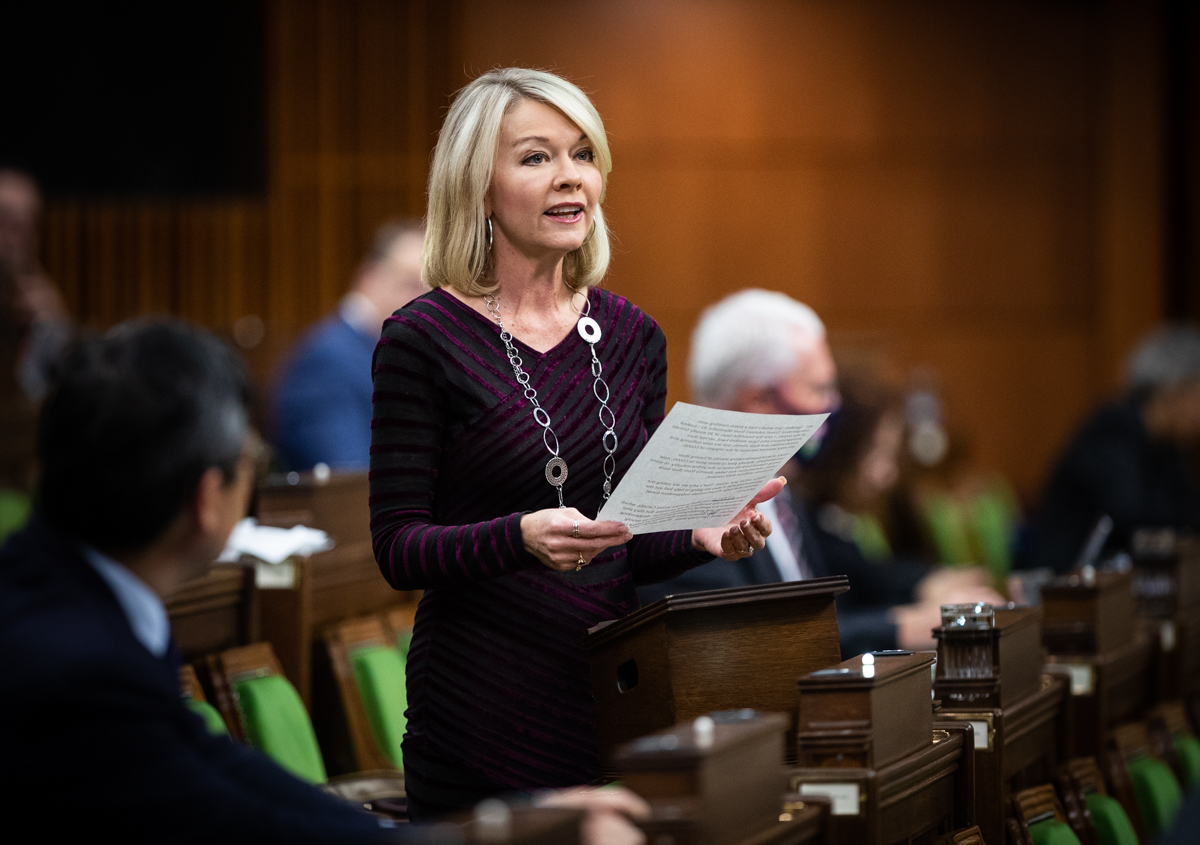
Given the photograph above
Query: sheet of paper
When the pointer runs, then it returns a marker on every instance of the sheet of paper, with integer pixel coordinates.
(703, 465)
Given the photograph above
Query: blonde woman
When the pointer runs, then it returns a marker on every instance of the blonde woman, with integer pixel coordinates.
(508, 402)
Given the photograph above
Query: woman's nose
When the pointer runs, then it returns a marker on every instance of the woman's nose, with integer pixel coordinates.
(568, 175)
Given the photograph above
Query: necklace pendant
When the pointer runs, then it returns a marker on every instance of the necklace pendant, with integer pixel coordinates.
(588, 329)
(556, 472)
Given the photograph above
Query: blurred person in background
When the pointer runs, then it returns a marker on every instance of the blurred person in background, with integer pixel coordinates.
(49, 327)
(1130, 459)
(762, 352)
(322, 399)
(17, 412)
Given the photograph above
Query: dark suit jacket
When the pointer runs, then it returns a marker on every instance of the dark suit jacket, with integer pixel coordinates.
(863, 623)
(1113, 467)
(95, 739)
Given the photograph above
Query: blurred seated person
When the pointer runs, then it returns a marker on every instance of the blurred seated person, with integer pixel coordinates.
(49, 328)
(322, 402)
(848, 481)
(18, 416)
(762, 352)
(1130, 459)
(146, 464)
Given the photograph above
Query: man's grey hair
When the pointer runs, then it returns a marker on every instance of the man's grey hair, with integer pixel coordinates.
(1165, 359)
(751, 338)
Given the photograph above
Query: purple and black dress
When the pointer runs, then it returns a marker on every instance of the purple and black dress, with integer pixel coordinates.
(499, 694)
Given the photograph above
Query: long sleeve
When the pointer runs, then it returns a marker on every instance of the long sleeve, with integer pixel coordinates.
(409, 433)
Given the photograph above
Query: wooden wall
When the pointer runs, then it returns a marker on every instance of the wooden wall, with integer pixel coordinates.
(974, 188)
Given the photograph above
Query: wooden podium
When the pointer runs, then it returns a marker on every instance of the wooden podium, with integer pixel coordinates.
(329, 586)
(1090, 632)
(687, 655)
(716, 781)
(1018, 714)
(868, 743)
(1166, 588)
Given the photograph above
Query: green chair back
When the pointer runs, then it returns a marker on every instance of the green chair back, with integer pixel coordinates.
(403, 641)
(1188, 749)
(1108, 817)
(947, 526)
(1158, 794)
(15, 509)
(994, 521)
(1053, 832)
(209, 715)
(277, 724)
(379, 674)
(870, 538)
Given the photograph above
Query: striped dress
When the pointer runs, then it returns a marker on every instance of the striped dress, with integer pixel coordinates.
(498, 681)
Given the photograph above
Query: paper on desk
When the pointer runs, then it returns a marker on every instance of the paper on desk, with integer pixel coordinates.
(274, 545)
(703, 465)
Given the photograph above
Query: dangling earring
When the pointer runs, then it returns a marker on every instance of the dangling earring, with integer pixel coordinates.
(489, 233)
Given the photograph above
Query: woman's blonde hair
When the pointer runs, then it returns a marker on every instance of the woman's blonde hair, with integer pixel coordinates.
(456, 242)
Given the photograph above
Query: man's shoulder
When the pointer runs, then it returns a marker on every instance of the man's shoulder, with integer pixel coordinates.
(59, 628)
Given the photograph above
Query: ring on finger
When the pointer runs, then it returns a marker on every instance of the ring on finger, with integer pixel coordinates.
(575, 529)
(581, 563)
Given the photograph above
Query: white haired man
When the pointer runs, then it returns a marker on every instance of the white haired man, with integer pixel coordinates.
(763, 352)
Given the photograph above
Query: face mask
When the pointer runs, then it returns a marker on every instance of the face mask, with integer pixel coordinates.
(812, 447)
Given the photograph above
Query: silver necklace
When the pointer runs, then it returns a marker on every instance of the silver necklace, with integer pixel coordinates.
(556, 467)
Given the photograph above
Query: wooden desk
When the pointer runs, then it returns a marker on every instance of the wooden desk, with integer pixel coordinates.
(914, 799)
(718, 783)
(329, 586)
(687, 655)
(1104, 690)
(1090, 631)
(1016, 747)
(1166, 588)
(215, 612)
(1019, 714)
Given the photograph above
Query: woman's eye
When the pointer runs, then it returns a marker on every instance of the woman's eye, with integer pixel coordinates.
(536, 158)
(585, 155)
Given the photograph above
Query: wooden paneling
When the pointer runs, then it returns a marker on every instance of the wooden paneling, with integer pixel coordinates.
(356, 93)
(976, 188)
(956, 186)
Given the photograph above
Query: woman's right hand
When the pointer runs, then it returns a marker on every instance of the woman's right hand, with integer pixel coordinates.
(549, 535)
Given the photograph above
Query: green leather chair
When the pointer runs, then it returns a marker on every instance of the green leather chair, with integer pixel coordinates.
(870, 538)
(947, 527)
(209, 715)
(994, 516)
(1188, 749)
(1108, 817)
(277, 724)
(1052, 832)
(1157, 791)
(15, 508)
(379, 675)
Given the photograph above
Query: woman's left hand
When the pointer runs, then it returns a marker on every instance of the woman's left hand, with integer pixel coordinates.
(743, 535)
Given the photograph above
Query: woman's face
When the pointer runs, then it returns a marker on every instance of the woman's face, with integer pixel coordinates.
(545, 183)
(880, 467)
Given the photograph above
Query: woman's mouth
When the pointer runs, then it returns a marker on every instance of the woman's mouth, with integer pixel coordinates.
(566, 213)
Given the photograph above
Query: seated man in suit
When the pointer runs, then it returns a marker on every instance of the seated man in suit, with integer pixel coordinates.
(1131, 460)
(146, 465)
(321, 406)
(764, 353)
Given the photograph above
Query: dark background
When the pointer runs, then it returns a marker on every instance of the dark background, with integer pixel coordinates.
(164, 98)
